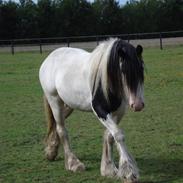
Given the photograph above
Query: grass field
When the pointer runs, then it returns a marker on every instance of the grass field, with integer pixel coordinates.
(154, 136)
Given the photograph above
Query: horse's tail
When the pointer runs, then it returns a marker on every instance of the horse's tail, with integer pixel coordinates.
(51, 124)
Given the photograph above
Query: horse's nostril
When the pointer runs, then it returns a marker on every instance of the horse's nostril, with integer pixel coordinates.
(143, 105)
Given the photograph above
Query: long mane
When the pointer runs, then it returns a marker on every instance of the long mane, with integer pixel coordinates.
(109, 60)
(99, 74)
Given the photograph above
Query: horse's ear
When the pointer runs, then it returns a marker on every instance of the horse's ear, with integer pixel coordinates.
(139, 50)
(122, 52)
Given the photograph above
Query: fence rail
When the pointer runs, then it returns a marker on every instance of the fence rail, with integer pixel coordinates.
(44, 44)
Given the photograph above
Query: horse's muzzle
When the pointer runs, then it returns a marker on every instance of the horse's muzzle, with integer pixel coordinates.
(137, 106)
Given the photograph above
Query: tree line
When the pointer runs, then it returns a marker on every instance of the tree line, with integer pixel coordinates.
(58, 18)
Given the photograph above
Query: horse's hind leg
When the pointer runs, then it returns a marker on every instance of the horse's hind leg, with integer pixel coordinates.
(108, 167)
(60, 112)
(67, 111)
(52, 139)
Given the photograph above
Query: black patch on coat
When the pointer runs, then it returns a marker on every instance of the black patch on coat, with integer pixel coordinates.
(103, 107)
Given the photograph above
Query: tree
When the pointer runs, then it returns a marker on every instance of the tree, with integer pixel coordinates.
(170, 15)
(52, 18)
(108, 16)
(28, 19)
(8, 20)
(74, 17)
(46, 16)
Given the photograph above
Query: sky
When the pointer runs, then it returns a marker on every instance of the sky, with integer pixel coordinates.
(121, 2)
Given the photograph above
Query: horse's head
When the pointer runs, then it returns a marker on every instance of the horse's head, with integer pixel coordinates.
(127, 72)
(132, 68)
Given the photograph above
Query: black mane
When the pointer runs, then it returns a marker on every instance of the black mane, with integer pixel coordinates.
(124, 58)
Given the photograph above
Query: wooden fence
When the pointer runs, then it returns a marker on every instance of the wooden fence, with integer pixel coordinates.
(87, 42)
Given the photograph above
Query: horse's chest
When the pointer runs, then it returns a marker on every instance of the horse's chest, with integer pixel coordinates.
(102, 106)
(80, 100)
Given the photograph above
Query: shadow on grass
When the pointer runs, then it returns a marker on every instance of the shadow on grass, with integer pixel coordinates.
(151, 170)
(161, 170)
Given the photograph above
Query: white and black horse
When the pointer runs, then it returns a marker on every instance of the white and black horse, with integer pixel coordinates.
(104, 82)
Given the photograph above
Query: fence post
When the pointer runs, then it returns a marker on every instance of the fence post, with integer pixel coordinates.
(12, 47)
(160, 37)
(40, 47)
(128, 38)
(97, 39)
(68, 43)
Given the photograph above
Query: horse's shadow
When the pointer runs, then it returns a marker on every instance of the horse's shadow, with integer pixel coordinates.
(155, 170)
(161, 169)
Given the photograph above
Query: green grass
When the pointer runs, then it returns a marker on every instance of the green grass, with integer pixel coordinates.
(154, 136)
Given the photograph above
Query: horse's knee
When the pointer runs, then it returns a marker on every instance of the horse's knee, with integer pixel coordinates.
(119, 136)
(108, 136)
(62, 132)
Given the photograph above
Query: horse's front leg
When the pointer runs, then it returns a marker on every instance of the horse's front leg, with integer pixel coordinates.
(108, 167)
(127, 166)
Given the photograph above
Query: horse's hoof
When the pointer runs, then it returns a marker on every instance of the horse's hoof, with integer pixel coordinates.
(50, 158)
(127, 181)
(74, 164)
(79, 168)
(50, 154)
(109, 170)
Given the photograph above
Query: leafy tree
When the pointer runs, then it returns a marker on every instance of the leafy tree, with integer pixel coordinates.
(74, 17)
(108, 16)
(52, 18)
(28, 19)
(8, 20)
(46, 17)
(170, 15)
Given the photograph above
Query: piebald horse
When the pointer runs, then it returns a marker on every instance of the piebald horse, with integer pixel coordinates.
(104, 82)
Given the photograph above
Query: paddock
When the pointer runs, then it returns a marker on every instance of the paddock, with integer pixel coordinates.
(154, 136)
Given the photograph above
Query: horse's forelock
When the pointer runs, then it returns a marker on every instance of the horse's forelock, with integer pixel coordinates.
(132, 68)
(113, 68)
(107, 59)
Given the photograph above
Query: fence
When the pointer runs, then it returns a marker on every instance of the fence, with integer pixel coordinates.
(89, 42)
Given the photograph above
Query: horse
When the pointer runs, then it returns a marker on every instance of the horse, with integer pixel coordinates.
(105, 81)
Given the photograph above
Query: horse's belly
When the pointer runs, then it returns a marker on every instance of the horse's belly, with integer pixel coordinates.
(76, 99)
(78, 102)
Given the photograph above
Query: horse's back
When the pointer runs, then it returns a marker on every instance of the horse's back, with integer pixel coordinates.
(65, 55)
(66, 72)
